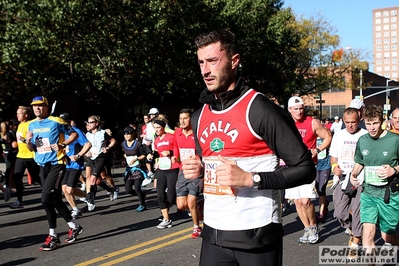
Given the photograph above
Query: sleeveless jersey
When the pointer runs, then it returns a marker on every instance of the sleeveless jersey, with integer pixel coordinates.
(307, 134)
(23, 151)
(98, 140)
(228, 133)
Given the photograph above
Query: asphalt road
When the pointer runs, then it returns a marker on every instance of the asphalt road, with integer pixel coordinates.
(115, 234)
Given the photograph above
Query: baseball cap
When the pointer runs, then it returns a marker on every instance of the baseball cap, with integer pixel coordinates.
(64, 116)
(128, 130)
(153, 111)
(336, 117)
(295, 100)
(39, 100)
(356, 103)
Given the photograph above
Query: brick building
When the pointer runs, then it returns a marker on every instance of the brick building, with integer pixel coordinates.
(373, 92)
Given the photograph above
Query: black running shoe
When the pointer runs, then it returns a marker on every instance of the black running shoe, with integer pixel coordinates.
(51, 243)
(73, 234)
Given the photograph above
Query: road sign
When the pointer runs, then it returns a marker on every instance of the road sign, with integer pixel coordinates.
(316, 97)
(318, 101)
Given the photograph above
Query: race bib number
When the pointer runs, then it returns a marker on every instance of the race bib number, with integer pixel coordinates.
(186, 153)
(164, 163)
(322, 155)
(43, 145)
(129, 159)
(211, 185)
(371, 177)
(94, 152)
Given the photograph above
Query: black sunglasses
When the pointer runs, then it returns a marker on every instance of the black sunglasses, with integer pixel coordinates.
(91, 122)
(128, 133)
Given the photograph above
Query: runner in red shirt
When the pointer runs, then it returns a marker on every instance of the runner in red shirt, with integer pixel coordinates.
(187, 191)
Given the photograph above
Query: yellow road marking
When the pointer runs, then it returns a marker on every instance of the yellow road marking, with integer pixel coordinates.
(122, 251)
(127, 257)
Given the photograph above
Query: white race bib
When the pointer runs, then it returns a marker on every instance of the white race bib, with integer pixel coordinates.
(186, 153)
(164, 163)
(371, 177)
(211, 185)
(44, 146)
(129, 159)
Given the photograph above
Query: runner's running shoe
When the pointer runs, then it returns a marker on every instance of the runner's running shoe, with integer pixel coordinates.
(73, 234)
(165, 224)
(76, 214)
(196, 232)
(51, 243)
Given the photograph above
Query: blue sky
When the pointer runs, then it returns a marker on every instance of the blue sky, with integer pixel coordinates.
(351, 18)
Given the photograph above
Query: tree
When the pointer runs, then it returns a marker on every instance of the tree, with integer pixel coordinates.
(322, 63)
(117, 57)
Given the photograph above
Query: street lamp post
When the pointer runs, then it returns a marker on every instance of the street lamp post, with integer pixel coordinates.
(361, 84)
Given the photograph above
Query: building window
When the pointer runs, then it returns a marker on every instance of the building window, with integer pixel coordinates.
(394, 26)
(378, 34)
(394, 54)
(387, 68)
(377, 14)
(378, 48)
(386, 20)
(386, 61)
(378, 41)
(394, 47)
(394, 60)
(386, 13)
(394, 40)
(378, 55)
(378, 21)
(393, 13)
(394, 33)
(379, 61)
(379, 69)
(386, 27)
(393, 19)
(386, 33)
(386, 40)
(394, 75)
(387, 54)
(394, 67)
(378, 28)
(386, 47)
(387, 75)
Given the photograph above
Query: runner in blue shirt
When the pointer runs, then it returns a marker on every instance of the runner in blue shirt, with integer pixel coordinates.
(46, 137)
(75, 152)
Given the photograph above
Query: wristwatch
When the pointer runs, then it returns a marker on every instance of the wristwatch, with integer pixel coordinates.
(256, 178)
(318, 150)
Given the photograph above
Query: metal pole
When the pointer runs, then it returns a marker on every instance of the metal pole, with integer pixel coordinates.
(321, 107)
(361, 84)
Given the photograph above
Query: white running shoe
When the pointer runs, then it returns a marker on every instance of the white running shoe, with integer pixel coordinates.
(146, 181)
(76, 213)
(165, 224)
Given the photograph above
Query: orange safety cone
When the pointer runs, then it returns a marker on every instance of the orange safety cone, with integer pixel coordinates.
(29, 179)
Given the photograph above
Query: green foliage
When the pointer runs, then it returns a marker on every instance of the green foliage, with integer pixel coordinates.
(133, 53)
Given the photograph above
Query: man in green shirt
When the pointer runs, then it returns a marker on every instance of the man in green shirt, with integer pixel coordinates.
(378, 153)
